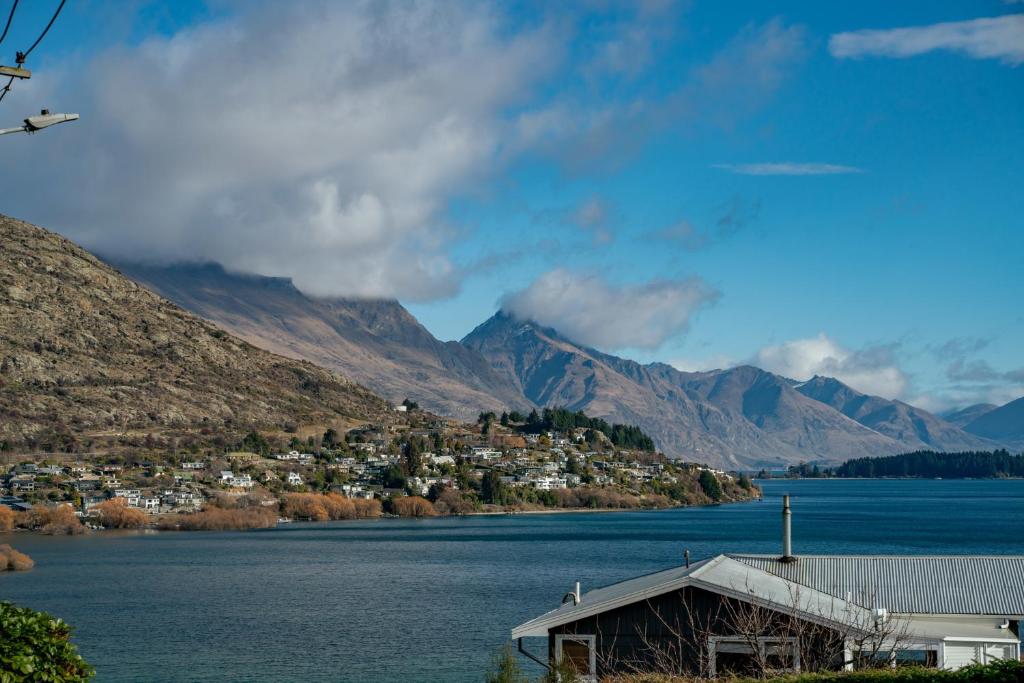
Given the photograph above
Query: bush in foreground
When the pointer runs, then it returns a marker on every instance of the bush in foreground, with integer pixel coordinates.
(37, 647)
(12, 560)
(1008, 671)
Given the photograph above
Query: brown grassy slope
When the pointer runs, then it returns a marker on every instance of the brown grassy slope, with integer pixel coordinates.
(84, 349)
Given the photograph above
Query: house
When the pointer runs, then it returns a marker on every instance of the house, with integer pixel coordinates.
(294, 479)
(758, 614)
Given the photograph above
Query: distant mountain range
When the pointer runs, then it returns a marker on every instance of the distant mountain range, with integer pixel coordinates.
(741, 416)
(374, 342)
(86, 354)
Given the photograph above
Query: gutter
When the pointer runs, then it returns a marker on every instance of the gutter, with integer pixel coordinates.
(522, 650)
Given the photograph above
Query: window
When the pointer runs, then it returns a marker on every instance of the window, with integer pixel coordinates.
(928, 658)
(580, 653)
(739, 656)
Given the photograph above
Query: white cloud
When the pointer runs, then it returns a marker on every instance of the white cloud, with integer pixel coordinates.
(787, 168)
(716, 362)
(320, 141)
(590, 311)
(594, 216)
(999, 38)
(872, 371)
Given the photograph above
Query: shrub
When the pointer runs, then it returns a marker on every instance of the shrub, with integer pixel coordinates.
(214, 518)
(318, 507)
(11, 559)
(115, 514)
(1008, 671)
(6, 518)
(367, 508)
(56, 520)
(412, 506)
(37, 647)
(505, 668)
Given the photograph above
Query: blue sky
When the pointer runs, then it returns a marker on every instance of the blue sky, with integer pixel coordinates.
(806, 186)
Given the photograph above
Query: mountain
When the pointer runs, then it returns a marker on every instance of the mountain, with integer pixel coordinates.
(377, 343)
(86, 353)
(1004, 424)
(912, 427)
(964, 416)
(743, 416)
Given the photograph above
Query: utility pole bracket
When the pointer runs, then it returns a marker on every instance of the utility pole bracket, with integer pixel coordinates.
(15, 72)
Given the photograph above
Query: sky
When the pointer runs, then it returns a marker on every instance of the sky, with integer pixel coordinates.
(814, 188)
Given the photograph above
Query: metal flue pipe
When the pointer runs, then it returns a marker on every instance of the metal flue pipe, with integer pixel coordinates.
(787, 532)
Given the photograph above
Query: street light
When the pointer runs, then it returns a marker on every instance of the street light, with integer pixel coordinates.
(36, 123)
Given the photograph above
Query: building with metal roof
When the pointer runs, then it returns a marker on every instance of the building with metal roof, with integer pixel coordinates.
(741, 613)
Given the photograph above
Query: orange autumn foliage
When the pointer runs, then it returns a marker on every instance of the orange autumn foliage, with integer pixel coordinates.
(11, 559)
(318, 507)
(115, 514)
(412, 506)
(6, 518)
(53, 520)
(368, 508)
(213, 518)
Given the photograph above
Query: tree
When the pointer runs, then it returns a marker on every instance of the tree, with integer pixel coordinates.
(115, 514)
(505, 668)
(394, 478)
(331, 438)
(254, 442)
(504, 419)
(412, 458)
(492, 490)
(37, 647)
(709, 484)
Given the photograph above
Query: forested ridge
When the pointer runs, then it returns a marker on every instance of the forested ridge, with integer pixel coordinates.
(969, 464)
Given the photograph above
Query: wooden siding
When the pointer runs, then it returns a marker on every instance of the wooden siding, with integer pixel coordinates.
(630, 637)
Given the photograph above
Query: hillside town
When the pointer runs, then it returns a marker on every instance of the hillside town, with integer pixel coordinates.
(493, 466)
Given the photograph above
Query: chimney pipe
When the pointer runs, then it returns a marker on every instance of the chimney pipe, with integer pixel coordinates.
(577, 592)
(787, 533)
(686, 556)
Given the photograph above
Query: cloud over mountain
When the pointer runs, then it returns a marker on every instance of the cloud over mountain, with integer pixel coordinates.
(320, 141)
(871, 370)
(596, 313)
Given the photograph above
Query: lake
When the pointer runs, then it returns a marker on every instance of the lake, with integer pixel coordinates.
(432, 600)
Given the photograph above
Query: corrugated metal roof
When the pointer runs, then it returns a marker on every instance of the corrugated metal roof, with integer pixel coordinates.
(720, 574)
(949, 584)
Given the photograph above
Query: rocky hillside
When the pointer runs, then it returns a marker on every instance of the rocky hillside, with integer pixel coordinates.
(964, 416)
(743, 416)
(86, 353)
(375, 342)
(912, 427)
(1004, 424)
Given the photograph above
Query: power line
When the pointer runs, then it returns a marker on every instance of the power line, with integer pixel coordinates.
(23, 56)
(9, 18)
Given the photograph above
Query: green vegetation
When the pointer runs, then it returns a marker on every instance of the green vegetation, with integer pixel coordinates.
(37, 647)
(919, 464)
(971, 464)
(561, 420)
(1008, 671)
(709, 484)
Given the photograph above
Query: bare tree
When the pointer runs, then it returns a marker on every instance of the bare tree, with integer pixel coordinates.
(768, 637)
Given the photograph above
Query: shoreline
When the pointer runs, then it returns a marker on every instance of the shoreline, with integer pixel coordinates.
(154, 528)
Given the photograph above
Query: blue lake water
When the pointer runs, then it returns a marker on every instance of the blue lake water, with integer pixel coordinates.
(432, 600)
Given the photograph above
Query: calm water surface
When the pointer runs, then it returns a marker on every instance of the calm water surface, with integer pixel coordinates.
(431, 600)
